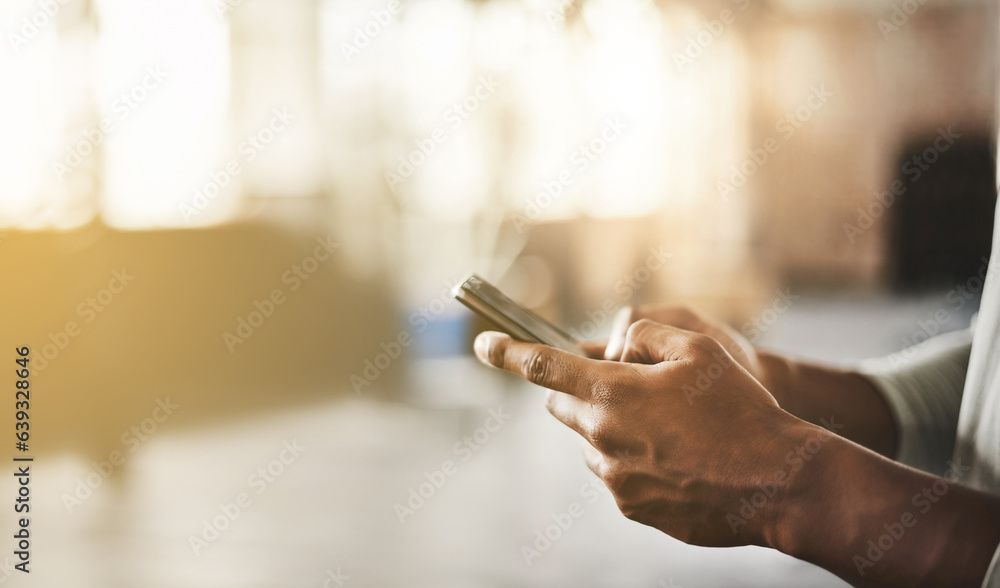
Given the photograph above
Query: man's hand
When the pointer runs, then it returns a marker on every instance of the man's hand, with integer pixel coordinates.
(678, 430)
(683, 318)
(689, 442)
(810, 392)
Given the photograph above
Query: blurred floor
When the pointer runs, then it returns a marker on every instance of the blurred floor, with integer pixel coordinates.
(331, 508)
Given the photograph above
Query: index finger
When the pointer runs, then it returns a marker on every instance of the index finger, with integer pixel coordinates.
(675, 316)
(546, 366)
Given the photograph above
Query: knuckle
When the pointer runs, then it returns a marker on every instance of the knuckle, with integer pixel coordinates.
(596, 431)
(641, 327)
(699, 340)
(705, 344)
(590, 429)
(614, 478)
(550, 401)
(603, 435)
(630, 502)
(631, 510)
(536, 368)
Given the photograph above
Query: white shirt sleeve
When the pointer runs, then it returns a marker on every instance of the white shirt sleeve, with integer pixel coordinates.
(923, 387)
(993, 574)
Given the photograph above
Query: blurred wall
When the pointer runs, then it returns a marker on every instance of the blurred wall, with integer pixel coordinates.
(825, 92)
(831, 96)
(890, 86)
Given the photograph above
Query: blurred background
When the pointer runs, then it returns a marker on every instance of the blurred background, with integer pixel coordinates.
(228, 229)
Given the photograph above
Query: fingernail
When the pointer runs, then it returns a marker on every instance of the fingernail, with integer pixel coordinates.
(482, 346)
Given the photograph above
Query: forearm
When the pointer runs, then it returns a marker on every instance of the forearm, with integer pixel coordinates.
(814, 393)
(874, 522)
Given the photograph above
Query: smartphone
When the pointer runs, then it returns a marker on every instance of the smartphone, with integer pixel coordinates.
(510, 317)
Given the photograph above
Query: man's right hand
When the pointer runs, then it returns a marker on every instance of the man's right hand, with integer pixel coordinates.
(683, 318)
(810, 392)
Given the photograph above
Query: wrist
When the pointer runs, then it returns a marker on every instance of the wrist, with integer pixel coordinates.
(864, 517)
(808, 454)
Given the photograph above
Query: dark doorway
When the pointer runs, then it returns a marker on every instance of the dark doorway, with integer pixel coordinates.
(942, 224)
